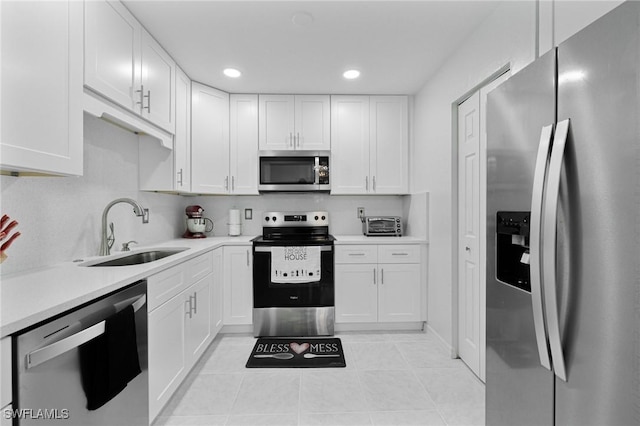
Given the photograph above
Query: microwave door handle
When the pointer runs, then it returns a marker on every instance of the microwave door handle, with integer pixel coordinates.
(549, 243)
(316, 168)
(535, 247)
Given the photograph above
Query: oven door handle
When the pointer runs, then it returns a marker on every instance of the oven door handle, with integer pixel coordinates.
(267, 249)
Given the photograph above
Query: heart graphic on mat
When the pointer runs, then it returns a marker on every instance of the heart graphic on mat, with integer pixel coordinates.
(297, 348)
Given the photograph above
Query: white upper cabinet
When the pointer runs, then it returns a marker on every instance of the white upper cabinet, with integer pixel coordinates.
(209, 140)
(125, 65)
(42, 123)
(370, 146)
(243, 146)
(389, 144)
(350, 147)
(164, 169)
(294, 122)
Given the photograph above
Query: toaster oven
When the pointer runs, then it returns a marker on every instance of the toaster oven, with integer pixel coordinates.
(382, 225)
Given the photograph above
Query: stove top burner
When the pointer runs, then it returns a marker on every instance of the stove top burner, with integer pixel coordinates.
(295, 228)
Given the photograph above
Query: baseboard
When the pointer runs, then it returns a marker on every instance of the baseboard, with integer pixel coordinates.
(444, 343)
(240, 328)
(378, 326)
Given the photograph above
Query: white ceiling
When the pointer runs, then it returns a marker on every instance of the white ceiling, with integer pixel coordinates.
(397, 45)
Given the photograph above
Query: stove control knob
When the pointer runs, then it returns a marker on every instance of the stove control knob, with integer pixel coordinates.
(266, 218)
(316, 218)
(274, 218)
(324, 217)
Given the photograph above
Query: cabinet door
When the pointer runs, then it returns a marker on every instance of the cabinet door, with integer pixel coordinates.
(389, 156)
(167, 364)
(198, 319)
(157, 84)
(243, 134)
(217, 284)
(399, 292)
(182, 139)
(209, 140)
(238, 291)
(112, 52)
(42, 124)
(312, 122)
(276, 122)
(350, 145)
(356, 293)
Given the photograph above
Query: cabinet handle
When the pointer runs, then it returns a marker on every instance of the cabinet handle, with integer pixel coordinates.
(180, 180)
(291, 139)
(382, 276)
(399, 254)
(298, 139)
(233, 183)
(226, 183)
(366, 183)
(188, 302)
(374, 276)
(141, 102)
(374, 184)
(195, 303)
(148, 96)
(356, 254)
(247, 258)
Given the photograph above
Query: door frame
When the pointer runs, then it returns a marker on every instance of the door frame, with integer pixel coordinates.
(505, 69)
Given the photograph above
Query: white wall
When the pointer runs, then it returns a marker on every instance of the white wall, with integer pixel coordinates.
(59, 217)
(508, 36)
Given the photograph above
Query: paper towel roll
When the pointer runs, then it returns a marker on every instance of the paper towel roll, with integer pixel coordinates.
(234, 217)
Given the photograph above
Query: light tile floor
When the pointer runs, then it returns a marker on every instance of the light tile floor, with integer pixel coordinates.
(391, 378)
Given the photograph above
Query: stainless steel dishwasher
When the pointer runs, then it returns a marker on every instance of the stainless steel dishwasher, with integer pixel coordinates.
(48, 387)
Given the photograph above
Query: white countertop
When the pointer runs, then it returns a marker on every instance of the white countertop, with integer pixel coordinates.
(33, 296)
(363, 239)
(30, 297)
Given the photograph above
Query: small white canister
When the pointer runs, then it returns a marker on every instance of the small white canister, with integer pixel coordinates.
(235, 223)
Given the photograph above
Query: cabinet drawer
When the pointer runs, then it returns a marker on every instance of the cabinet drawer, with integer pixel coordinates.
(165, 285)
(357, 253)
(198, 268)
(399, 253)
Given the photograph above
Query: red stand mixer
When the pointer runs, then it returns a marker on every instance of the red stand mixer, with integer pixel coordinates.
(197, 225)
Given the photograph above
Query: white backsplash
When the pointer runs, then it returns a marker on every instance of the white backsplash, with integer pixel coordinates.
(60, 217)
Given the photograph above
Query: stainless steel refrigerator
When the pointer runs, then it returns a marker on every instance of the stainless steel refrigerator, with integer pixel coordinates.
(563, 227)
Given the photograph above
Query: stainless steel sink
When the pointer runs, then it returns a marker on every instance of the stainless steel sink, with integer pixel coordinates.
(137, 258)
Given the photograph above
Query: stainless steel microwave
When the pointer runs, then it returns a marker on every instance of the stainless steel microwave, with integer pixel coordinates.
(294, 171)
(382, 225)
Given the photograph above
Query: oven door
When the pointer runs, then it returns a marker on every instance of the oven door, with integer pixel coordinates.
(268, 294)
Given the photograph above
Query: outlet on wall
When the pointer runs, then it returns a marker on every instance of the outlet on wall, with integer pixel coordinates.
(360, 212)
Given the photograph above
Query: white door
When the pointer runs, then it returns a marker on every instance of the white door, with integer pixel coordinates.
(238, 291)
(468, 232)
(158, 84)
(312, 122)
(399, 293)
(389, 152)
(112, 52)
(209, 140)
(350, 145)
(243, 147)
(356, 293)
(276, 122)
(198, 319)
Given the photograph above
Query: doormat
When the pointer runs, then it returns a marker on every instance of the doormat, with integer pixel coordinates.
(278, 352)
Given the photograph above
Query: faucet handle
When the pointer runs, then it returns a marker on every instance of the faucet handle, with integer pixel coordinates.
(125, 246)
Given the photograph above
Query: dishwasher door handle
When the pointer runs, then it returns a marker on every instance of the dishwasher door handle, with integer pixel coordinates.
(52, 350)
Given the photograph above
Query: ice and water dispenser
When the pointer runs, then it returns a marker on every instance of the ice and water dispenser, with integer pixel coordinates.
(512, 251)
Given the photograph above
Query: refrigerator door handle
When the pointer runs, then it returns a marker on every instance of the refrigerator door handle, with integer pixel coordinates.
(549, 252)
(535, 247)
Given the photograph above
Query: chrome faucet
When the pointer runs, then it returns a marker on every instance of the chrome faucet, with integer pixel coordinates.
(108, 240)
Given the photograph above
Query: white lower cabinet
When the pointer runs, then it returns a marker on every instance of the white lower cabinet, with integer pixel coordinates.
(369, 292)
(180, 328)
(238, 291)
(217, 294)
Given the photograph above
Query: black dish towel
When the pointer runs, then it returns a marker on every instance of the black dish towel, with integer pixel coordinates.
(110, 361)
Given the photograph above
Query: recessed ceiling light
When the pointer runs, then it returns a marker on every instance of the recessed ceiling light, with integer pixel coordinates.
(232, 72)
(351, 74)
(302, 19)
